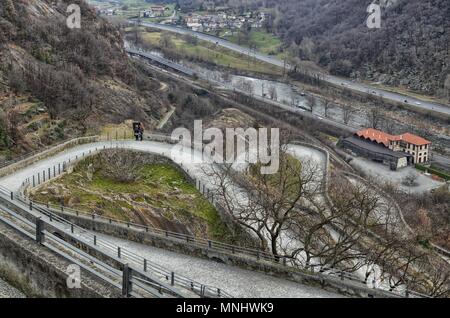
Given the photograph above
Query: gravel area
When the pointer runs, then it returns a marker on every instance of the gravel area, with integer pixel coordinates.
(7, 291)
(380, 171)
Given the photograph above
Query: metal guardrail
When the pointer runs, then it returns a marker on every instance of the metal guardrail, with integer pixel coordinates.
(139, 264)
(38, 230)
(200, 242)
(28, 155)
(222, 247)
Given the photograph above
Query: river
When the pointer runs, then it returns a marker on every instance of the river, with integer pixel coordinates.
(293, 96)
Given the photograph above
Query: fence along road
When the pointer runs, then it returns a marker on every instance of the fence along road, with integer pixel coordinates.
(165, 141)
(327, 272)
(132, 281)
(223, 277)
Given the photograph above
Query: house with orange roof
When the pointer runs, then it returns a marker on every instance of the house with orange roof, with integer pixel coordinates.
(396, 151)
(417, 147)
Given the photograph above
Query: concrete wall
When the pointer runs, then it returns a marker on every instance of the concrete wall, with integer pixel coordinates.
(45, 154)
(38, 272)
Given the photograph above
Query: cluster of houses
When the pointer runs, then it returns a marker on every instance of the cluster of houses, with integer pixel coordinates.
(108, 12)
(224, 21)
(152, 12)
(155, 11)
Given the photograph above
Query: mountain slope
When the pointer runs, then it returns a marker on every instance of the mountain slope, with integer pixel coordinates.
(411, 48)
(56, 82)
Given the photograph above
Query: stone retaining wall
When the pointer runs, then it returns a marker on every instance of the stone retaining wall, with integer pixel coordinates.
(38, 272)
(45, 154)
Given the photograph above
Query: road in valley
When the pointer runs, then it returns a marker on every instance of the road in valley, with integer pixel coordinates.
(437, 159)
(364, 88)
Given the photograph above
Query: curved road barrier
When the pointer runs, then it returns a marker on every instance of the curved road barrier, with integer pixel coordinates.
(47, 169)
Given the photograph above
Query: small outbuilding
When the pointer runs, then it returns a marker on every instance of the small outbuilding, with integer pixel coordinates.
(373, 151)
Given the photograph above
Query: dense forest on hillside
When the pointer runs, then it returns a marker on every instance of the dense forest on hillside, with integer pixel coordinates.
(56, 81)
(411, 48)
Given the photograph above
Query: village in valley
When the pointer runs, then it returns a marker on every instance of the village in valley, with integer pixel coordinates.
(208, 19)
(224, 21)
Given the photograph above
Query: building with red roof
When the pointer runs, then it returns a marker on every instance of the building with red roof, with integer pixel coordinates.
(417, 147)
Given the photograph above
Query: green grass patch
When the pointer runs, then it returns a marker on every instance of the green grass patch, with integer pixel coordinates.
(264, 42)
(159, 186)
(210, 53)
(435, 171)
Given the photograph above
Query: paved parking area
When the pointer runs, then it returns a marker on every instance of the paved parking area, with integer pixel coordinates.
(382, 172)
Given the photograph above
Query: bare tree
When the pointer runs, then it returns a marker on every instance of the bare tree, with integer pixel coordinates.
(347, 113)
(249, 87)
(294, 99)
(273, 94)
(264, 204)
(327, 105)
(410, 180)
(311, 102)
(13, 121)
(119, 165)
(374, 117)
(166, 41)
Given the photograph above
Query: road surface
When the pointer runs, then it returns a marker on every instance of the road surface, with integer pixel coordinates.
(234, 280)
(364, 88)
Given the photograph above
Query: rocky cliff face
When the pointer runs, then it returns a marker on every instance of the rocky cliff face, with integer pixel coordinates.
(56, 81)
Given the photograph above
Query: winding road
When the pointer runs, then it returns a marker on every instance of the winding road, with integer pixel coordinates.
(7, 291)
(234, 280)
